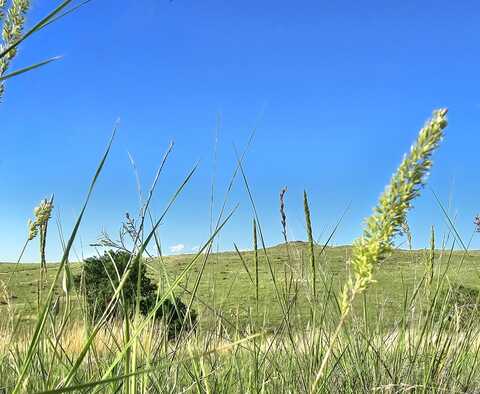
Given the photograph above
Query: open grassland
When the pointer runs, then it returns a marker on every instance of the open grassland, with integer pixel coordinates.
(295, 318)
(404, 336)
(227, 285)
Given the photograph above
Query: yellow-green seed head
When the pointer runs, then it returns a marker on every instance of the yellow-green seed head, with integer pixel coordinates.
(390, 213)
(32, 229)
(11, 31)
(43, 212)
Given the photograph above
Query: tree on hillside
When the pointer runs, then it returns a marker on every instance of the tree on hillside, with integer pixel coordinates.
(101, 276)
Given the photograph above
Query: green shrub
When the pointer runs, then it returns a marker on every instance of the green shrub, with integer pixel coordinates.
(101, 275)
(458, 303)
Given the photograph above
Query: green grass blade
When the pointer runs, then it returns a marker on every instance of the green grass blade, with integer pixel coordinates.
(44, 312)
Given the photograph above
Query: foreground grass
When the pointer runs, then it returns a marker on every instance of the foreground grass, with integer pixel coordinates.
(402, 337)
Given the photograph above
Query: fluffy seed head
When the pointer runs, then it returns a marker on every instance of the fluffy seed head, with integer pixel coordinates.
(13, 23)
(43, 212)
(32, 229)
(390, 213)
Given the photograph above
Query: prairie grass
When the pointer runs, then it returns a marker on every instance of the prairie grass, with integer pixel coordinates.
(301, 317)
(271, 320)
(423, 354)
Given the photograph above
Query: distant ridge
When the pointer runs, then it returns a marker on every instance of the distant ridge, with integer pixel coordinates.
(299, 243)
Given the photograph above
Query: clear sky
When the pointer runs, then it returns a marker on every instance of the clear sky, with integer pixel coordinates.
(336, 89)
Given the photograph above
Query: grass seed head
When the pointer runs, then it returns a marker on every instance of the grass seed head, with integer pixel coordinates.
(476, 222)
(13, 23)
(43, 212)
(32, 229)
(390, 213)
(283, 215)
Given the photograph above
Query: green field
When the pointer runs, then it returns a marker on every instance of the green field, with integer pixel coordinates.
(404, 332)
(227, 288)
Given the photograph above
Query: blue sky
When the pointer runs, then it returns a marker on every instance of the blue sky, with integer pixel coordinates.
(337, 92)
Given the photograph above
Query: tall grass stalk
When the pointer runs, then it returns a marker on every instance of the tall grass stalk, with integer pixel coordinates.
(255, 263)
(311, 244)
(387, 218)
(13, 23)
(12, 17)
(44, 311)
(431, 259)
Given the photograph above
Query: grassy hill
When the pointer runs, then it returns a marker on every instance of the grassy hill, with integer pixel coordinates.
(226, 281)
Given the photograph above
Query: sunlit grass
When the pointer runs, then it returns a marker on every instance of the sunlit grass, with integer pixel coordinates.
(296, 318)
(270, 319)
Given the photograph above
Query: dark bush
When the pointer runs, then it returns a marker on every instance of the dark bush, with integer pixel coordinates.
(458, 303)
(101, 277)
